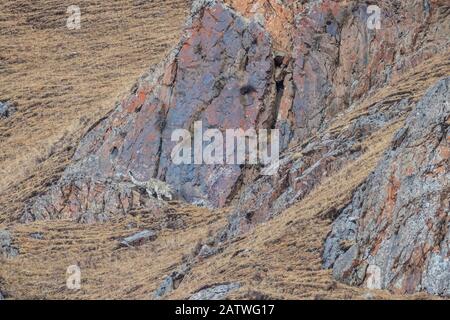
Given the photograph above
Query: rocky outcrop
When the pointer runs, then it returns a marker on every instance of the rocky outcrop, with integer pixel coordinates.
(334, 61)
(90, 199)
(305, 166)
(398, 221)
(338, 57)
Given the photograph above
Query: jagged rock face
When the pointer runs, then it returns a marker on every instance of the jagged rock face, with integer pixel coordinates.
(399, 220)
(226, 73)
(336, 61)
(337, 58)
(304, 167)
(215, 292)
(202, 79)
(291, 65)
(89, 200)
(224, 79)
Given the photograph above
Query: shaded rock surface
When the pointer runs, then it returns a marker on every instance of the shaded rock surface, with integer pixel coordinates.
(399, 219)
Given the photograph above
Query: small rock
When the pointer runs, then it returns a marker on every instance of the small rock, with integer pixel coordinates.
(138, 238)
(171, 282)
(37, 235)
(6, 247)
(6, 109)
(343, 267)
(201, 203)
(216, 292)
(132, 225)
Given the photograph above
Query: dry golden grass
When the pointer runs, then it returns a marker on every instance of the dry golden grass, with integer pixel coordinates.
(39, 272)
(282, 257)
(411, 85)
(64, 80)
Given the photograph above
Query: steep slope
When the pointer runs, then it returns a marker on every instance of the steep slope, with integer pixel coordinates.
(287, 248)
(281, 258)
(225, 73)
(338, 91)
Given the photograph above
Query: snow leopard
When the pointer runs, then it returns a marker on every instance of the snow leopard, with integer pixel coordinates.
(153, 186)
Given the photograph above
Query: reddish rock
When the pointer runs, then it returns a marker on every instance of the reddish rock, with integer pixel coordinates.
(401, 216)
